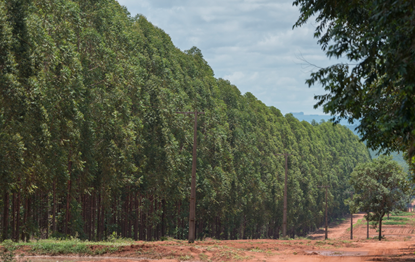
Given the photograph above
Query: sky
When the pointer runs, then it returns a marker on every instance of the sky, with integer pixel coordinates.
(251, 43)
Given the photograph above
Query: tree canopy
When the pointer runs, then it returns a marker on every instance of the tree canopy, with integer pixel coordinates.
(380, 187)
(377, 37)
(91, 144)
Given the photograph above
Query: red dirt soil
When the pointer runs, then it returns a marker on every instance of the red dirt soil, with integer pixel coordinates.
(399, 245)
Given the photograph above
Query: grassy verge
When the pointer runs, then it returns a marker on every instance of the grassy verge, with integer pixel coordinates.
(64, 247)
(392, 220)
(402, 214)
(395, 218)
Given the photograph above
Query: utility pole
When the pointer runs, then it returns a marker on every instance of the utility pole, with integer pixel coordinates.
(367, 219)
(351, 213)
(192, 213)
(351, 218)
(284, 214)
(326, 209)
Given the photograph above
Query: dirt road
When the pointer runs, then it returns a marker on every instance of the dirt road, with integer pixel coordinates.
(337, 231)
(399, 245)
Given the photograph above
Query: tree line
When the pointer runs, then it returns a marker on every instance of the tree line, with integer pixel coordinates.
(376, 86)
(91, 144)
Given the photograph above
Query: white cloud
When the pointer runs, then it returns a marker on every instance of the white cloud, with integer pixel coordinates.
(235, 76)
(249, 42)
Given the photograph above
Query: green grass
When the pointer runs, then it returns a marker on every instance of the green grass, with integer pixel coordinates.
(73, 246)
(402, 214)
(393, 223)
(396, 220)
(360, 222)
(393, 218)
(61, 248)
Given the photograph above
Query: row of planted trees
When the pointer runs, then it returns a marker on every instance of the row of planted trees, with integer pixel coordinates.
(91, 144)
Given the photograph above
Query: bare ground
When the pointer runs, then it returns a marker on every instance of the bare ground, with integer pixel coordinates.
(398, 245)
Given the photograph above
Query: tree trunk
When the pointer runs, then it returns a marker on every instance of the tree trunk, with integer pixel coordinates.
(93, 208)
(142, 234)
(102, 216)
(89, 217)
(13, 215)
(136, 216)
(99, 217)
(5, 215)
(54, 208)
(17, 217)
(178, 219)
(24, 228)
(68, 199)
(149, 225)
(29, 209)
(380, 228)
(130, 211)
(163, 218)
(46, 215)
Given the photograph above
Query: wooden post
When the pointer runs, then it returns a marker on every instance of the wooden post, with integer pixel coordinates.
(284, 213)
(325, 237)
(326, 216)
(351, 220)
(192, 213)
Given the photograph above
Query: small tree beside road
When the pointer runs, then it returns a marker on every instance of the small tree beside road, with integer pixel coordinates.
(380, 187)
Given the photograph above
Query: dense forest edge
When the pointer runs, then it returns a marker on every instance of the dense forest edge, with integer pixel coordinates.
(91, 144)
(397, 156)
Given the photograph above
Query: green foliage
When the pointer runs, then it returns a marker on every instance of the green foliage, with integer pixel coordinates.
(380, 187)
(7, 251)
(377, 87)
(91, 145)
(62, 248)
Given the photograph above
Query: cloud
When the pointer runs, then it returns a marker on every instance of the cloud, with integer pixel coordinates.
(235, 76)
(249, 42)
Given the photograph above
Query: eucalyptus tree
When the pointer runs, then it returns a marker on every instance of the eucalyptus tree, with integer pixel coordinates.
(91, 144)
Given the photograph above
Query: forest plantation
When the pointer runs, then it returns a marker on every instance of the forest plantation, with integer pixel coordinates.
(91, 144)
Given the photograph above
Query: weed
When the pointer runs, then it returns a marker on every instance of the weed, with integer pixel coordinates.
(203, 257)
(7, 256)
(7, 252)
(185, 257)
(104, 250)
(239, 257)
(257, 249)
(66, 247)
(302, 238)
(9, 245)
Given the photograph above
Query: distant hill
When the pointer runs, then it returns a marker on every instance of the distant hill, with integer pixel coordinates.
(398, 157)
(301, 116)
